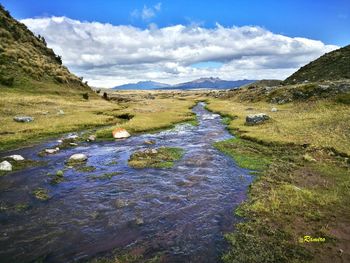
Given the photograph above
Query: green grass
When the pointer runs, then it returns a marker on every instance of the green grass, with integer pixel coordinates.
(291, 197)
(163, 158)
(246, 157)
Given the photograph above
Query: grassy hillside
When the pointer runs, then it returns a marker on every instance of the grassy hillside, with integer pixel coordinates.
(26, 56)
(334, 65)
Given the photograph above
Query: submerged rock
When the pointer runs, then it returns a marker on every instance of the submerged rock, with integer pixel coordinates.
(23, 119)
(5, 166)
(254, 119)
(78, 157)
(149, 142)
(16, 157)
(120, 133)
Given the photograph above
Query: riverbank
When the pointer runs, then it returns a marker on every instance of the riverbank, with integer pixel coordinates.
(302, 183)
(57, 109)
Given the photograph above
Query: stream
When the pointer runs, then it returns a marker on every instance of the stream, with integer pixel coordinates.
(180, 213)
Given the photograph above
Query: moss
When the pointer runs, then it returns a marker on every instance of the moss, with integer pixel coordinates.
(86, 169)
(41, 194)
(20, 165)
(105, 175)
(163, 157)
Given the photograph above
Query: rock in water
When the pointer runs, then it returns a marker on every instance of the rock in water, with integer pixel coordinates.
(16, 157)
(254, 119)
(91, 138)
(5, 166)
(52, 151)
(78, 157)
(23, 119)
(120, 133)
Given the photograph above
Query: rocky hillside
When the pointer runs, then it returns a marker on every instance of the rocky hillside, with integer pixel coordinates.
(25, 56)
(334, 65)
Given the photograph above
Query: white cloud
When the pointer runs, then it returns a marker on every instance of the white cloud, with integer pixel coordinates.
(109, 55)
(147, 12)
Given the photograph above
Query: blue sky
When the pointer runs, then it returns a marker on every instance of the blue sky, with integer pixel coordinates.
(114, 42)
(324, 20)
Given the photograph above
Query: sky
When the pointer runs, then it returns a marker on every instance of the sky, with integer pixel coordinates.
(114, 42)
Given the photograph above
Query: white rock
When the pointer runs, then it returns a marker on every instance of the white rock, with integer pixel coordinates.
(60, 112)
(91, 138)
(120, 133)
(59, 141)
(72, 136)
(80, 157)
(5, 166)
(52, 151)
(16, 157)
(154, 151)
(73, 144)
(274, 110)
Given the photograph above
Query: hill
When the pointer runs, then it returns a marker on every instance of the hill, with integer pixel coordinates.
(26, 56)
(142, 85)
(334, 65)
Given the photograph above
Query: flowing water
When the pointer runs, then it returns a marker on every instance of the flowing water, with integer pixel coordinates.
(181, 212)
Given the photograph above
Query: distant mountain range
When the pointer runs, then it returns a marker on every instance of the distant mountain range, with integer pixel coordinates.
(202, 83)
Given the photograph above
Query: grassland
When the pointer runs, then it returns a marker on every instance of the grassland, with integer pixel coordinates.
(320, 123)
(300, 158)
(44, 101)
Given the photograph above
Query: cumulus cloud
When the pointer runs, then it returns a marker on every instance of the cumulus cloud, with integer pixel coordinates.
(109, 55)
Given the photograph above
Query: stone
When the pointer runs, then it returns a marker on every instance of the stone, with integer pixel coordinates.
(149, 142)
(120, 133)
(16, 157)
(5, 166)
(59, 141)
(154, 151)
(274, 110)
(60, 112)
(254, 119)
(91, 138)
(23, 119)
(72, 136)
(73, 144)
(52, 151)
(78, 157)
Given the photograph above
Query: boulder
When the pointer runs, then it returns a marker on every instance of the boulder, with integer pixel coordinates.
(5, 166)
(120, 133)
(254, 119)
(23, 119)
(78, 157)
(274, 110)
(154, 151)
(16, 157)
(91, 138)
(52, 151)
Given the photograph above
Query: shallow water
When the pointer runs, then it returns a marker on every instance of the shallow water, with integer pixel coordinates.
(185, 209)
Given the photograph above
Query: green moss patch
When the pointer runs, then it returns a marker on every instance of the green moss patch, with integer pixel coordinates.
(163, 157)
(41, 194)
